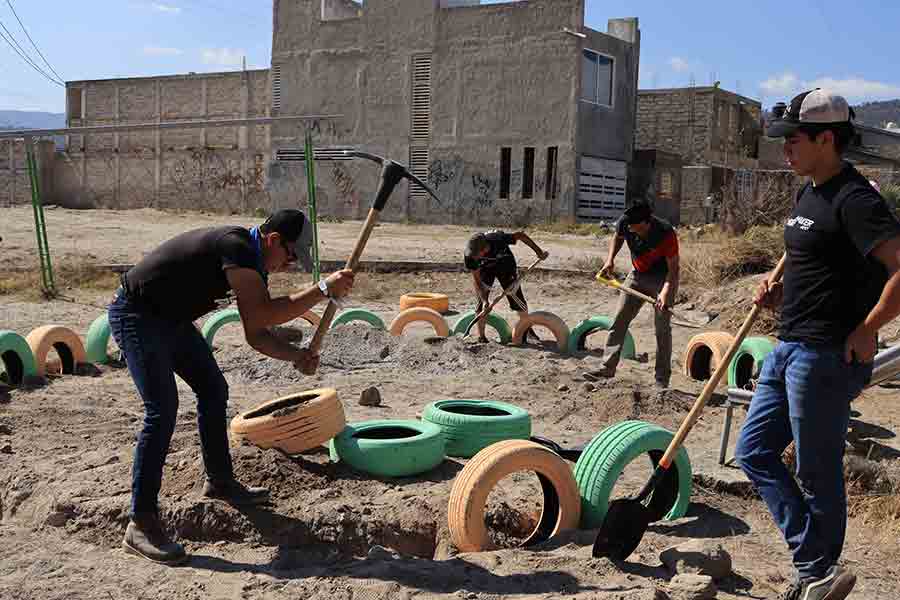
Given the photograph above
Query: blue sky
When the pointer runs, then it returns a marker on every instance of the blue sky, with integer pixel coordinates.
(767, 50)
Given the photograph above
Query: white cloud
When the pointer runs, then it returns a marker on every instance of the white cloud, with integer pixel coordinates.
(162, 51)
(678, 64)
(854, 89)
(222, 57)
(166, 8)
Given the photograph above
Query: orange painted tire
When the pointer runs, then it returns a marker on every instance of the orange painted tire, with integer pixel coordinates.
(438, 302)
(546, 319)
(704, 354)
(67, 343)
(473, 485)
(413, 315)
(292, 423)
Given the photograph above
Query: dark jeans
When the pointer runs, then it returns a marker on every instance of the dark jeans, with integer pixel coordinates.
(803, 394)
(156, 350)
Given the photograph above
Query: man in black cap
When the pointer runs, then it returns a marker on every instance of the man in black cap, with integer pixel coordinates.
(841, 285)
(151, 319)
(654, 255)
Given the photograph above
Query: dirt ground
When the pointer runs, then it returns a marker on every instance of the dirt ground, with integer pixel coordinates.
(66, 446)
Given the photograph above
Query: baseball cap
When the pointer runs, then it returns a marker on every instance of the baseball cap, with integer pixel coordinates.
(293, 227)
(638, 213)
(814, 108)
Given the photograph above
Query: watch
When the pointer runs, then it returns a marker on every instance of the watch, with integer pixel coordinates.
(323, 287)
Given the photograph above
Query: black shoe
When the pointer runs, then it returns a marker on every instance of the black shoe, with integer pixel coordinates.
(234, 492)
(836, 585)
(604, 373)
(531, 337)
(145, 537)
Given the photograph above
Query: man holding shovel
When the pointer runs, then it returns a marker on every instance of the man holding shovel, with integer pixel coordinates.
(654, 255)
(489, 258)
(151, 319)
(841, 285)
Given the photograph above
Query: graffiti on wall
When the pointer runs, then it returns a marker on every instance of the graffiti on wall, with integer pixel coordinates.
(461, 185)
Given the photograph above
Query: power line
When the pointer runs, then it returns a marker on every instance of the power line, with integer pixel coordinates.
(9, 2)
(16, 48)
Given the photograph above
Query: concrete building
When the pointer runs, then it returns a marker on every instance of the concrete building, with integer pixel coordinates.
(514, 112)
(217, 169)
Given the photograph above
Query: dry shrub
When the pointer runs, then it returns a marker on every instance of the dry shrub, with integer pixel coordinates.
(722, 259)
(27, 284)
(571, 227)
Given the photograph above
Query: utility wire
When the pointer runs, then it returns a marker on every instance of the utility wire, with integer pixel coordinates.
(16, 48)
(9, 2)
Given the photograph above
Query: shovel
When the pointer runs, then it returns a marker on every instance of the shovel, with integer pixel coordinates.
(392, 173)
(507, 292)
(677, 320)
(627, 519)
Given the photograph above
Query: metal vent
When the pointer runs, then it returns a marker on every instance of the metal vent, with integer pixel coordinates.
(299, 154)
(420, 115)
(276, 87)
(418, 165)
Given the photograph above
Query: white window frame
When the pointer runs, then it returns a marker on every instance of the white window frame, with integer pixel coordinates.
(612, 88)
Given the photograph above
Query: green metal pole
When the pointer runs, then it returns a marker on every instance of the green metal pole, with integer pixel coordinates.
(311, 194)
(40, 226)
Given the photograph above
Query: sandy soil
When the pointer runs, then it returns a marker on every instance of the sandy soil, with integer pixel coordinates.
(331, 532)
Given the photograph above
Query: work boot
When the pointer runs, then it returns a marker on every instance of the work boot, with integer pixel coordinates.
(836, 585)
(604, 373)
(661, 385)
(531, 337)
(146, 537)
(234, 492)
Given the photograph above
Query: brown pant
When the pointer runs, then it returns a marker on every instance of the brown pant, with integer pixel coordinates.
(628, 308)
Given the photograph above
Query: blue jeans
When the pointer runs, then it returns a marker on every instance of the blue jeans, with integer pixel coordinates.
(803, 394)
(156, 350)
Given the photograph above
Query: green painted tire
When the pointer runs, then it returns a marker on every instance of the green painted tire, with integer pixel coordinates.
(606, 456)
(358, 314)
(748, 360)
(218, 320)
(97, 343)
(18, 360)
(469, 426)
(599, 323)
(494, 321)
(389, 448)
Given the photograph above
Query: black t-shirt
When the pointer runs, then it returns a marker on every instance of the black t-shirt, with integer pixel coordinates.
(648, 255)
(499, 257)
(831, 283)
(183, 278)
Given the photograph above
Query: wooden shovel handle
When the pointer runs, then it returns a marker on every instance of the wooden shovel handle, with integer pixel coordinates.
(710, 386)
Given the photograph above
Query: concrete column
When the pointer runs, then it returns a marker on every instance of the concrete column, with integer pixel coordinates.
(116, 149)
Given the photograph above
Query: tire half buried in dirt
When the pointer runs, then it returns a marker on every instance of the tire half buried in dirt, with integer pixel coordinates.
(469, 426)
(585, 328)
(294, 423)
(605, 457)
(546, 319)
(64, 341)
(97, 342)
(473, 485)
(390, 448)
(18, 360)
(358, 314)
(231, 315)
(748, 360)
(416, 315)
(704, 354)
(495, 321)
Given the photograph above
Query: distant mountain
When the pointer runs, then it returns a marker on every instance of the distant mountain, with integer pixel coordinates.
(876, 114)
(21, 119)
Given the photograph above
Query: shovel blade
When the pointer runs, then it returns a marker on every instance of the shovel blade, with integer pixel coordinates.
(625, 524)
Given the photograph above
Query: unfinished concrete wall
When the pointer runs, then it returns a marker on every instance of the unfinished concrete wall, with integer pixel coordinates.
(220, 169)
(15, 185)
(704, 125)
(502, 76)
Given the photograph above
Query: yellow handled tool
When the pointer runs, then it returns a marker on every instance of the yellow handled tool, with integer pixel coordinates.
(677, 320)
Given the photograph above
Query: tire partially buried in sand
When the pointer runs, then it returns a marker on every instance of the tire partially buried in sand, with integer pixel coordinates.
(420, 314)
(704, 354)
(68, 346)
(547, 319)
(390, 447)
(294, 423)
(468, 497)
